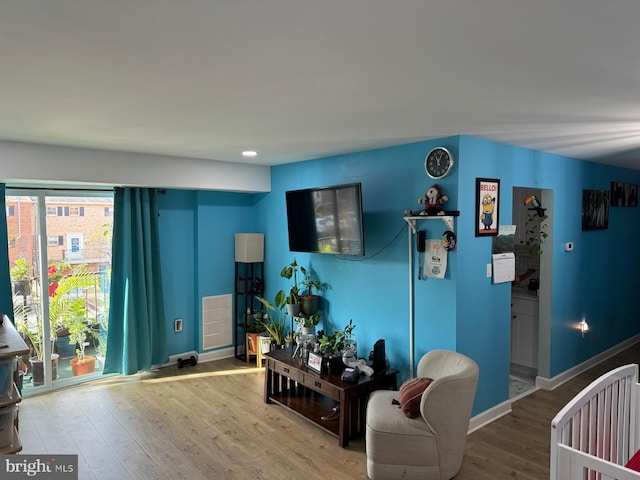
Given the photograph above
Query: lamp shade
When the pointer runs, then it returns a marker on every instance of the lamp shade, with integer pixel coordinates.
(249, 247)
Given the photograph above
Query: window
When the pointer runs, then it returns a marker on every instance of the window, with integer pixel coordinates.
(52, 211)
(108, 211)
(11, 210)
(54, 241)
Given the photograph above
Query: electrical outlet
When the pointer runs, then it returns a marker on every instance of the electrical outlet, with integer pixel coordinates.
(178, 325)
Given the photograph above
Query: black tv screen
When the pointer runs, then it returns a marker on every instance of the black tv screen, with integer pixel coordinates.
(326, 220)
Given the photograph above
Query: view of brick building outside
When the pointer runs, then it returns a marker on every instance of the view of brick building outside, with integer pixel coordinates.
(76, 229)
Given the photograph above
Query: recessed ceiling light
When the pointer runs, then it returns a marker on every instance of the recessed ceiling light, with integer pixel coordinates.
(249, 153)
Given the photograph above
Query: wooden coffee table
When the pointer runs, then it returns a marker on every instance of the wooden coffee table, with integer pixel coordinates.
(288, 382)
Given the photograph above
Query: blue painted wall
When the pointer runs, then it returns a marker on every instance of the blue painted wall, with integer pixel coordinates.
(464, 311)
(197, 231)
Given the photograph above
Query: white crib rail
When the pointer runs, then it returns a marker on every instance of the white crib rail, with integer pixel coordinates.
(596, 432)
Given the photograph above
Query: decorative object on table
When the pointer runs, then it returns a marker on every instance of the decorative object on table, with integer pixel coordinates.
(487, 206)
(433, 200)
(314, 362)
(595, 209)
(438, 163)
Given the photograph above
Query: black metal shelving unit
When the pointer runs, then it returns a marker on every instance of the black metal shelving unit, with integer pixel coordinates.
(249, 284)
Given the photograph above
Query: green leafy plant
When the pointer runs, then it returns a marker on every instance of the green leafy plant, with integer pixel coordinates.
(536, 234)
(310, 283)
(79, 330)
(309, 321)
(275, 321)
(291, 271)
(20, 271)
(334, 344)
(66, 306)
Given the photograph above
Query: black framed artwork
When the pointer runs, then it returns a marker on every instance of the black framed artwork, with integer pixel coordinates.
(623, 194)
(595, 209)
(487, 206)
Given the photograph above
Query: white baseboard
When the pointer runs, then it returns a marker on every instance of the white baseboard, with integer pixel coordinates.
(504, 408)
(551, 383)
(488, 416)
(217, 354)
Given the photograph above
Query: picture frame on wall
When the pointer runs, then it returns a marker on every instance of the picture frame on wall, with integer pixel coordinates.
(623, 194)
(595, 209)
(487, 206)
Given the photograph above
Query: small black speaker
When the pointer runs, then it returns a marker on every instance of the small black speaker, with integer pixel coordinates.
(379, 360)
(421, 240)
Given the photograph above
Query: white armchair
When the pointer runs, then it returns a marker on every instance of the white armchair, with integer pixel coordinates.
(430, 446)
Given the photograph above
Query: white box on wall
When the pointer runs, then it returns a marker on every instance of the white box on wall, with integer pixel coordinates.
(249, 247)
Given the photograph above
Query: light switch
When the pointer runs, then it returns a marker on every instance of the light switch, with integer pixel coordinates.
(488, 270)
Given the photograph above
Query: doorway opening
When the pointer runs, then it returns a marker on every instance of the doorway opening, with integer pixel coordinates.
(531, 292)
(60, 268)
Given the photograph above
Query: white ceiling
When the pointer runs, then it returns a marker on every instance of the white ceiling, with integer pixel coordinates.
(302, 79)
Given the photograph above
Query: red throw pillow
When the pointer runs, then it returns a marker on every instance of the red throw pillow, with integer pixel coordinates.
(411, 394)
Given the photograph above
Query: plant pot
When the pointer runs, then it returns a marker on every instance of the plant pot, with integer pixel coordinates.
(88, 365)
(64, 348)
(293, 309)
(309, 304)
(22, 288)
(265, 343)
(37, 369)
(308, 330)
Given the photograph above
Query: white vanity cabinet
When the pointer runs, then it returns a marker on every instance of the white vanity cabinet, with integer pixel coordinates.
(524, 329)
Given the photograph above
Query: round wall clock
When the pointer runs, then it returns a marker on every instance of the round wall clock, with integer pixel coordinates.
(438, 163)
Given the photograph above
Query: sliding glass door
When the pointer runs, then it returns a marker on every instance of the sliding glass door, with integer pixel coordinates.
(60, 259)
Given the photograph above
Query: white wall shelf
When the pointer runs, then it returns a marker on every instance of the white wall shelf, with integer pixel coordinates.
(447, 218)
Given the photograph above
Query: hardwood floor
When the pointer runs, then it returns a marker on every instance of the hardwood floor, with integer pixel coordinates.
(210, 422)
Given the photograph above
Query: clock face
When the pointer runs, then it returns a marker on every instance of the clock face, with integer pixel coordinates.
(438, 163)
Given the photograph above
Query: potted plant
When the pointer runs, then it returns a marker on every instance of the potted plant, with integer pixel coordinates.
(288, 340)
(273, 321)
(309, 323)
(254, 330)
(31, 331)
(310, 301)
(65, 307)
(292, 300)
(333, 346)
(20, 277)
(79, 330)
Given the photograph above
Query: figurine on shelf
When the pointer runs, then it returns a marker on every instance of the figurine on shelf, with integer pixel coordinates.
(433, 200)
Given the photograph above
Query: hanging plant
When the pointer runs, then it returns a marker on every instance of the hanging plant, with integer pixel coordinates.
(536, 234)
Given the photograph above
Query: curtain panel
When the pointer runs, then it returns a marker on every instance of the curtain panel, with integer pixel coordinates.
(6, 299)
(137, 332)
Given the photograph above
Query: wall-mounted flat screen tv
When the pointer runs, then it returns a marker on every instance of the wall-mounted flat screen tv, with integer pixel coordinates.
(326, 220)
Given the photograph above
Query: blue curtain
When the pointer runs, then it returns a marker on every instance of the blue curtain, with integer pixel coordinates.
(6, 302)
(137, 336)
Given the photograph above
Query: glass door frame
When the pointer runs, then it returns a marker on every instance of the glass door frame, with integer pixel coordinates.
(41, 195)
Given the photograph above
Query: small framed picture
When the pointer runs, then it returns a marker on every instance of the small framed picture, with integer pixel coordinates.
(314, 362)
(487, 206)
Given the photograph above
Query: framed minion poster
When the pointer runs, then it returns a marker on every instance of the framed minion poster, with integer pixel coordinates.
(487, 206)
